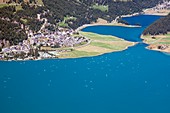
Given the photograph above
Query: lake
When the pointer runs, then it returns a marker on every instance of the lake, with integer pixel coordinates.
(135, 80)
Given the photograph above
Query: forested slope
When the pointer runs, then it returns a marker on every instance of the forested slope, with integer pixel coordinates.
(161, 26)
(84, 11)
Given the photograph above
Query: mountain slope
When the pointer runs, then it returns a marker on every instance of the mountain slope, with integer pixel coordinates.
(161, 26)
(85, 12)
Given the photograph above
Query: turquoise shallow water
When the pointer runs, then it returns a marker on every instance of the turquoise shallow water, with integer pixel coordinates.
(132, 81)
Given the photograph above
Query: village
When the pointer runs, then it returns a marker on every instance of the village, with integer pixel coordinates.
(43, 44)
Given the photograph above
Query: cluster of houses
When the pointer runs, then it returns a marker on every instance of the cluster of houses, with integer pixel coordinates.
(4, 43)
(20, 51)
(162, 6)
(59, 38)
(31, 48)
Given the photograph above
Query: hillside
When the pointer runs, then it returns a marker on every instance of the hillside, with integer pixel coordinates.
(161, 26)
(20, 16)
(13, 23)
(157, 35)
(87, 11)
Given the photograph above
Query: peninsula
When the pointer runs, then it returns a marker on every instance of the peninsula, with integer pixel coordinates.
(99, 44)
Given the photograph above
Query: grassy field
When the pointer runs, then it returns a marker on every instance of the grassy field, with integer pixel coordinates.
(40, 2)
(103, 8)
(77, 54)
(66, 18)
(3, 5)
(62, 24)
(18, 7)
(158, 39)
(100, 44)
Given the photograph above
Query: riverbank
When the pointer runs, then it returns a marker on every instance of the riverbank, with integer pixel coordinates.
(158, 42)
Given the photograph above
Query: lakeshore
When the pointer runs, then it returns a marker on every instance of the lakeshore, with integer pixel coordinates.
(65, 43)
(158, 42)
(87, 44)
(103, 22)
(99, 44)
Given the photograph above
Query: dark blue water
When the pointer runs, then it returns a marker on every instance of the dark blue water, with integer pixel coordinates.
(122, 32)
(143, 20)
(130, 34)
(132, 81)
